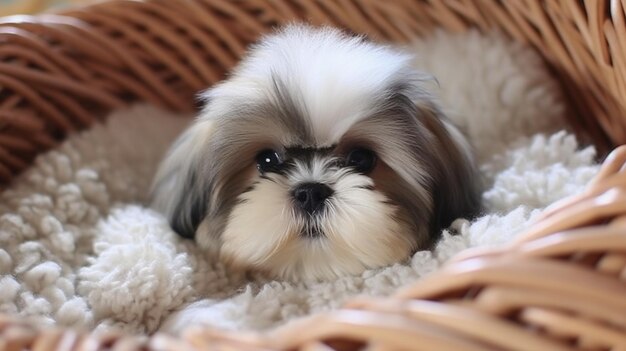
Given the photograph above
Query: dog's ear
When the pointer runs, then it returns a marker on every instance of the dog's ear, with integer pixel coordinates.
(457, 183)
(179, 190)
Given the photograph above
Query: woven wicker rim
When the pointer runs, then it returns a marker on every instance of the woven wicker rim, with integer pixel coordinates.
(559, 287)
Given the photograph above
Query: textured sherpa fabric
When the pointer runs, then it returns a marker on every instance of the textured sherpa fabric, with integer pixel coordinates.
(79, 247)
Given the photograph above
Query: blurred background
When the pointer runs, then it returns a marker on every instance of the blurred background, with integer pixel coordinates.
(14, 7)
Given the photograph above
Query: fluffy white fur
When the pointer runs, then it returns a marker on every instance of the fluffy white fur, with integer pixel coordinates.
(78, 248)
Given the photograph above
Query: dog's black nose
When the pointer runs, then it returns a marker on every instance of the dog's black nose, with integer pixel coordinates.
(311, 196)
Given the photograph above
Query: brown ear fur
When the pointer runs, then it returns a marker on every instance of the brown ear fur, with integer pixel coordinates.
(457, 186)
(179, 191)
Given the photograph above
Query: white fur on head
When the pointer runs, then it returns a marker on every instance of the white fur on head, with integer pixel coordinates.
(313, 96)
(334, 77)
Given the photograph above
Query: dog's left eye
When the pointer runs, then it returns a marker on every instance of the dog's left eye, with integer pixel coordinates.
(363, 160)
(268, 160)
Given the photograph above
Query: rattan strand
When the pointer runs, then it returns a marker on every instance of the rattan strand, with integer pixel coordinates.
(559, 287)
(61, 73)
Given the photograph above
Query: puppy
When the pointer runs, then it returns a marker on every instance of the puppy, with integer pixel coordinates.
(321, 155)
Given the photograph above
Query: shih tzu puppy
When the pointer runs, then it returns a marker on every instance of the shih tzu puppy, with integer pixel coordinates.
(321, 155)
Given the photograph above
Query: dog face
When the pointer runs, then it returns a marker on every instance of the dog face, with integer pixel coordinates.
(321, 155)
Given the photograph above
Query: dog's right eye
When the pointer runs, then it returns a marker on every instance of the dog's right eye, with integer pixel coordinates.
(268, 160)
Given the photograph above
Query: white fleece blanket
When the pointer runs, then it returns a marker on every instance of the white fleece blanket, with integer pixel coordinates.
(78, 246)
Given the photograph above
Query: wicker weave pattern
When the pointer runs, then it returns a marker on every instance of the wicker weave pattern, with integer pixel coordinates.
(560, 287)
(61, 73)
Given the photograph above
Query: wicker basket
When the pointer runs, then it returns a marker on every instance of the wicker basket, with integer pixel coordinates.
(560, 286)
